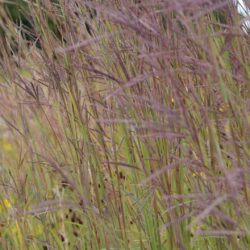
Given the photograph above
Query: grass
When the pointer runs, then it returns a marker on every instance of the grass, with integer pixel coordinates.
(125, 127)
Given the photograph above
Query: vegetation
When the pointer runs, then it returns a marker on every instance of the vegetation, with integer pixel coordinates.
(124, 124)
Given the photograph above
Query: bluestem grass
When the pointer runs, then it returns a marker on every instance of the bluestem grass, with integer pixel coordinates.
(131, 136)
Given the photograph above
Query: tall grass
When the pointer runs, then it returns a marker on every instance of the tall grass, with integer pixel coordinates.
(126, 127)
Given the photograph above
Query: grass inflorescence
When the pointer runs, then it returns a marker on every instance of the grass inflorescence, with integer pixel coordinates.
(124, 124)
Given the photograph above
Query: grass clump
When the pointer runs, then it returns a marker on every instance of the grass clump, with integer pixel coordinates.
(125, 125)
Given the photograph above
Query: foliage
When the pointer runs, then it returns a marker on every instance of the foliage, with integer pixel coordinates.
(130, 132)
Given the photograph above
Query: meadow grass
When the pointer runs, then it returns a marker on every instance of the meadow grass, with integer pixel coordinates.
(125, 125)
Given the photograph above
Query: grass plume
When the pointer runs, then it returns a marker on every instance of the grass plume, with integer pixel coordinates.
(125, 125)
